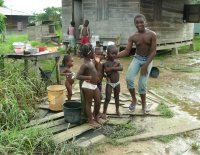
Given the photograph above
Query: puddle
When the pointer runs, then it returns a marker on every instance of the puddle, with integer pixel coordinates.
(193, 110)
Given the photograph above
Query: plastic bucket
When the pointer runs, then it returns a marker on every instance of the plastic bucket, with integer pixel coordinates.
(72, 111)
(154, 72)
(56, 96)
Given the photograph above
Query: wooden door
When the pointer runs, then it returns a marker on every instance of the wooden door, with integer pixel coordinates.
(78, 17)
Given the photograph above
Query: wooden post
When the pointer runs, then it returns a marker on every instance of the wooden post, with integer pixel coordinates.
(2, 65)
(175, 51)
(25, 68)
(57, 70)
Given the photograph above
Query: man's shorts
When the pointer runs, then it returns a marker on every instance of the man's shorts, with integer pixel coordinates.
(84, 40)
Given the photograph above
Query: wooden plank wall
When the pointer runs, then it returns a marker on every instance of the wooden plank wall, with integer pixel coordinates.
(109, 18)
(66, 16)
(168, 24)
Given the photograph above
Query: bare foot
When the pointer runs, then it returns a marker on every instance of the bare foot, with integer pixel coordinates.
(94, 124)
(100, 121)
(118, 114)
(103, 116)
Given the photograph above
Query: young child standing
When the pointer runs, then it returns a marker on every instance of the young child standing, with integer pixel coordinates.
(72, 39)
(111, 69)
(68, 64)
(98, 56)
(89, 75)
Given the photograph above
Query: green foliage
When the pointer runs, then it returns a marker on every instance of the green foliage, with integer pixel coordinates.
(197, 42)
(166, 139)
(50, 13)
(70, 149)
(28, 141)
(195, 146)
(164, 110)
(119, 131)
(6, 47)
(17, 97)
(1, 2)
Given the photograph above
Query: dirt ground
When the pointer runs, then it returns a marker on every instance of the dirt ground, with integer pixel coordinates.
(179, 82)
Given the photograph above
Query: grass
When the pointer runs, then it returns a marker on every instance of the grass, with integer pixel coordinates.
(119, 131)
(195, 146)
(165, 111)
(166, 139)
(29, 141)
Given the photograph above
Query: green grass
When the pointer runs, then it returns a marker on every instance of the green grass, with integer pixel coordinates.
(164, 110)
(197, 43)
(29, 141)
(166, 139)
(195, 146)
(120, 131)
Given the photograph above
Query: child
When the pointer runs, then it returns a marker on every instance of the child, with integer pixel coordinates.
(68, 64)
(111, 68)
(89, 75)
(71, 32)
(84, 32)
(98, 56)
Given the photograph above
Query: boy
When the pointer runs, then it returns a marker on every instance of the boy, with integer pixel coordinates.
(84, 32)
(112, 68)
(89, 75)
(98, 56)
(145, 41)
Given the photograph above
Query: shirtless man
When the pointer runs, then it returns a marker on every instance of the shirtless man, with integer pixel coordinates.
(145, 41)
(89, 75)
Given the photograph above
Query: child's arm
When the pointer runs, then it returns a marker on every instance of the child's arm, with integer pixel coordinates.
(64, 72)
(117, 67)
(80, 73)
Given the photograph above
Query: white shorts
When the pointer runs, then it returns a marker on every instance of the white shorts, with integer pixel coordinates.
(88, 85)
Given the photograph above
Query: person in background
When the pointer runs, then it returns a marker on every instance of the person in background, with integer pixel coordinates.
(84, 31)
(72, 39)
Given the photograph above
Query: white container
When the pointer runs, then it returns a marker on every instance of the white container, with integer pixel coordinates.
(94, 39)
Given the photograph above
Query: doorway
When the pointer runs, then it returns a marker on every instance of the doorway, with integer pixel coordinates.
(77, 15)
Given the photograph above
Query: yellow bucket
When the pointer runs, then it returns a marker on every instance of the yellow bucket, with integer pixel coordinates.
(56, 96)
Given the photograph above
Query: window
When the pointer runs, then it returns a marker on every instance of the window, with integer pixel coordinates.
(102, 9)
(192, 13)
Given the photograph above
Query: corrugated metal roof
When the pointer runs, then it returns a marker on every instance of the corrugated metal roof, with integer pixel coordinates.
(11, 12)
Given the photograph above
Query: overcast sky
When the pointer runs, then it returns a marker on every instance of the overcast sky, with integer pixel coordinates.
(31, 6)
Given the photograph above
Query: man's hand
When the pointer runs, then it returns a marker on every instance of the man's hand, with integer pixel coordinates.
(143, 70)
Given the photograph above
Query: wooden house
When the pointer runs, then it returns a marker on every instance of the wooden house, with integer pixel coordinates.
(16, 21)
(113, 18)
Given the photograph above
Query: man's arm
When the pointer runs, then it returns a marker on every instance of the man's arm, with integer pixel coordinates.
(127, 50)
(80, 75)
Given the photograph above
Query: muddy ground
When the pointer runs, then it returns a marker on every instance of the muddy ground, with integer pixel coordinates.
(179, 82)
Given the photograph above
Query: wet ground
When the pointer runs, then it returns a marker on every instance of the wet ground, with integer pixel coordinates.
(179, 82)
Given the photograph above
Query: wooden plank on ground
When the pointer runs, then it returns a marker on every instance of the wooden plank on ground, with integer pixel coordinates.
(92, 141)
(160, 97)
(45, 119)
(62, 127)
(118, 121)
(70, 133)
(52, 123)
(44, 106)
(149, 135)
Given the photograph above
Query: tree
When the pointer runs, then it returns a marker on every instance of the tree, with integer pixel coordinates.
(1, 2)
(50, 13)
